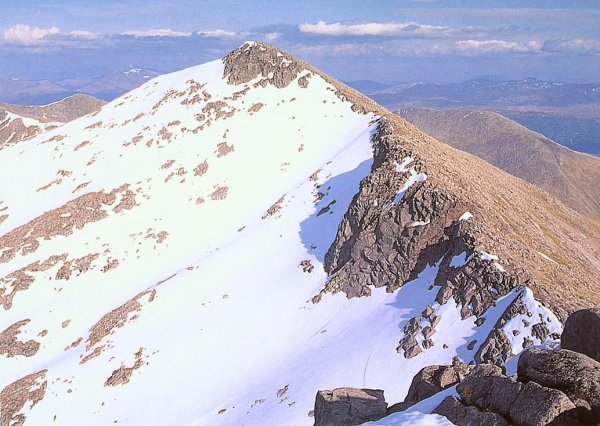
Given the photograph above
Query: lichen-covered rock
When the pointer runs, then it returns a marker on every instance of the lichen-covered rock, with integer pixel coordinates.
(574, 374)
(582, 333)
(462, 415)
(349, 406)
(492, 393)
(527, 405)
(539, 406)
(485, 370)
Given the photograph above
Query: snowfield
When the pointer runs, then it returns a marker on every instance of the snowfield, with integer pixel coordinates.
(163, 253)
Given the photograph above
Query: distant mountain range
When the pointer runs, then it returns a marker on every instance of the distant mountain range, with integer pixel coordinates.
(568, 113)
(15, 90)
(512, 93)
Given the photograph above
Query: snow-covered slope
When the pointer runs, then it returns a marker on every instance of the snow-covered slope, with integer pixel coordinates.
(159, 259)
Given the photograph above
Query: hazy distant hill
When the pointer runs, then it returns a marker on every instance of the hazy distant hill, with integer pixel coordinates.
(31, 92)
(110, 86)
(512, 93)
(568, 113)
(578, 133)
(19, 123)
(41, 92)
(572, 177)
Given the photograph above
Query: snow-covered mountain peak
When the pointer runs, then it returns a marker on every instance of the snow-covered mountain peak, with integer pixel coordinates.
(191, 253)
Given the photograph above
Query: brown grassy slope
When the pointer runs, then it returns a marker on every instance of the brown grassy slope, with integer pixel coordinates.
(62, 111)
(572, 177)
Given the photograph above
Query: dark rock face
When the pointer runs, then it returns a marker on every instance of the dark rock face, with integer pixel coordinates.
(574, 374)
(349, 406)
(463, 415)
(582, 333)
(374, 245)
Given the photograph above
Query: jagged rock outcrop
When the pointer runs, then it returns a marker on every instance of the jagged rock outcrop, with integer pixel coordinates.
(378, 243)
(497, 347)
(349, 406)
(582, 333)
(250, 61)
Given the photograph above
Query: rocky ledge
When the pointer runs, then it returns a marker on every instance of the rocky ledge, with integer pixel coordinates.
(557, 387)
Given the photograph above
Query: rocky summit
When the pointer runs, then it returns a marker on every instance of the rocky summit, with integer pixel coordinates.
(219, 244)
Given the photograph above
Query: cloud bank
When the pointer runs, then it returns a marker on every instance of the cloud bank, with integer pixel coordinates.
(388, 29)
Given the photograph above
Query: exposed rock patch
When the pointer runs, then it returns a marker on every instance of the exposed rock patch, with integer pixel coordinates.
(123, 374)
(13, 397)
(10, 345)
(113, 320)
(61, 221)
(431, 380)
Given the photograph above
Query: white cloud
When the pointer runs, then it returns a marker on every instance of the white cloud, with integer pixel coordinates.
(218, 33)
(82, 35)
(162, 32)
(497, 46)
(344, 49)
(376, 29)
(24, 34)
(572, 46)
(271, 37)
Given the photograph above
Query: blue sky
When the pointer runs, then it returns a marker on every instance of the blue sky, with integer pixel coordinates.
(438, 40)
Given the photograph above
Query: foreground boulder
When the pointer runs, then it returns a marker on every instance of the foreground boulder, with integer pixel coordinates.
(574, 374)
(431, 380)
(461, 414)
(538, 406)
(349, 406)
(521, 404)
(582, 333)
(492, 393)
